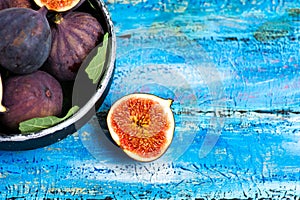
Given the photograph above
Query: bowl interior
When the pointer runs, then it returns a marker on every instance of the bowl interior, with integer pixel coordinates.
(85, 94)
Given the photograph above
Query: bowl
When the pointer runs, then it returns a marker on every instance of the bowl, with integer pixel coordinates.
(89, 99)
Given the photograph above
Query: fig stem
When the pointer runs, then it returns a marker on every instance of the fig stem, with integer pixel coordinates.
(58, 18)
(43, 10)
(2, 108)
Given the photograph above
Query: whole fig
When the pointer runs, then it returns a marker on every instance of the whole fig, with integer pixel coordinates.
(28, 96)
(74, 35)
(25, 39)
(16, 3)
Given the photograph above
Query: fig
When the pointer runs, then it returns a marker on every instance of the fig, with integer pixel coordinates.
(16, 3)
(59, 5)
(2, 108)
(74, 35)
(25, 39)
(142, 125)
(29, 96)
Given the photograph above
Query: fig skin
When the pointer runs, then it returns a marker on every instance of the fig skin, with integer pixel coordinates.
(74, 35)
(15, 3)
(25, 39)
(29, 96)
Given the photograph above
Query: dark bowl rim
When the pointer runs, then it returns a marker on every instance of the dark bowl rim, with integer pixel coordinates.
(103, 84)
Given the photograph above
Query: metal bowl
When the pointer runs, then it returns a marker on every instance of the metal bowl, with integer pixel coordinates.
(91, 100)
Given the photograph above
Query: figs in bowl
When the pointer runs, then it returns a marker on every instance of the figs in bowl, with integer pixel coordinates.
(83, 91)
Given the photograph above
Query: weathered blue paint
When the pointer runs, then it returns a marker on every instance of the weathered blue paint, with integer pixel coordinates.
(229, 79)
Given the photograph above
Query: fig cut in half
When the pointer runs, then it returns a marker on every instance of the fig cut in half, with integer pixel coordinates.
(2, 108)
(58, 5)
(142, 125)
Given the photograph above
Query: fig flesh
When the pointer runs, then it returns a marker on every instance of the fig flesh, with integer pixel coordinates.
(2, 108)
(142, 125)
(74, 35)
(29, 96)
(25, 39)
(58, 5)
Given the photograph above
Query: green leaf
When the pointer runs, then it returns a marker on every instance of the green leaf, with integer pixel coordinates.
(37, 124)
(92, 5)
(96, 64)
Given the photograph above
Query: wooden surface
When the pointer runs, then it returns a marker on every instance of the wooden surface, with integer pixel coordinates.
(232, 69)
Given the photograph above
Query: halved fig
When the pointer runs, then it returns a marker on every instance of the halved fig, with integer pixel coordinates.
(142, 125)
(2, 108)
(58, 5)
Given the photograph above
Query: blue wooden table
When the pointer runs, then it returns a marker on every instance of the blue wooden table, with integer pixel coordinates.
(232, 69)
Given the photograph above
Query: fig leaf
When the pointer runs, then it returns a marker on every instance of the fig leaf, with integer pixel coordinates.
(92, 5)
(96, 64)
(39, 123)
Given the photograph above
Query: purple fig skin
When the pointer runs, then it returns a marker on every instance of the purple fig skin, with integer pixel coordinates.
(25, 39)
(30, 96)
(74, 35)
(14, 3)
